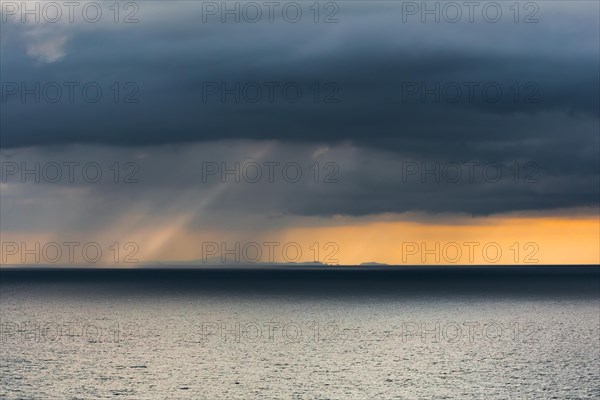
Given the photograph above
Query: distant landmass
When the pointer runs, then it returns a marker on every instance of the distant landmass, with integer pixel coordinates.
(373, 263)
(216, 262)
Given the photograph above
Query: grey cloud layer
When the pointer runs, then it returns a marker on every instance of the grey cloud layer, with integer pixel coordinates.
(171, 186)
(369, 54)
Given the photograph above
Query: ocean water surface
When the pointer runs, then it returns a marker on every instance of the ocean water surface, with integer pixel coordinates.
(139, 338)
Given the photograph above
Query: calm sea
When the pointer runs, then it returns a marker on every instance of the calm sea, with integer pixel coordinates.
(242, 334)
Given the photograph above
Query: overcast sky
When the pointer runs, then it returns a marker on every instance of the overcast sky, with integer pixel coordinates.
(369, 91)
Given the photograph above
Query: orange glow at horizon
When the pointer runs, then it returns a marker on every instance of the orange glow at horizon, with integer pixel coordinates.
(496, 241)
(492, 240)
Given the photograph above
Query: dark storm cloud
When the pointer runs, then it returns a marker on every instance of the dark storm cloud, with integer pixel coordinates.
(366, 63)
(372, 59)
(170, 186)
